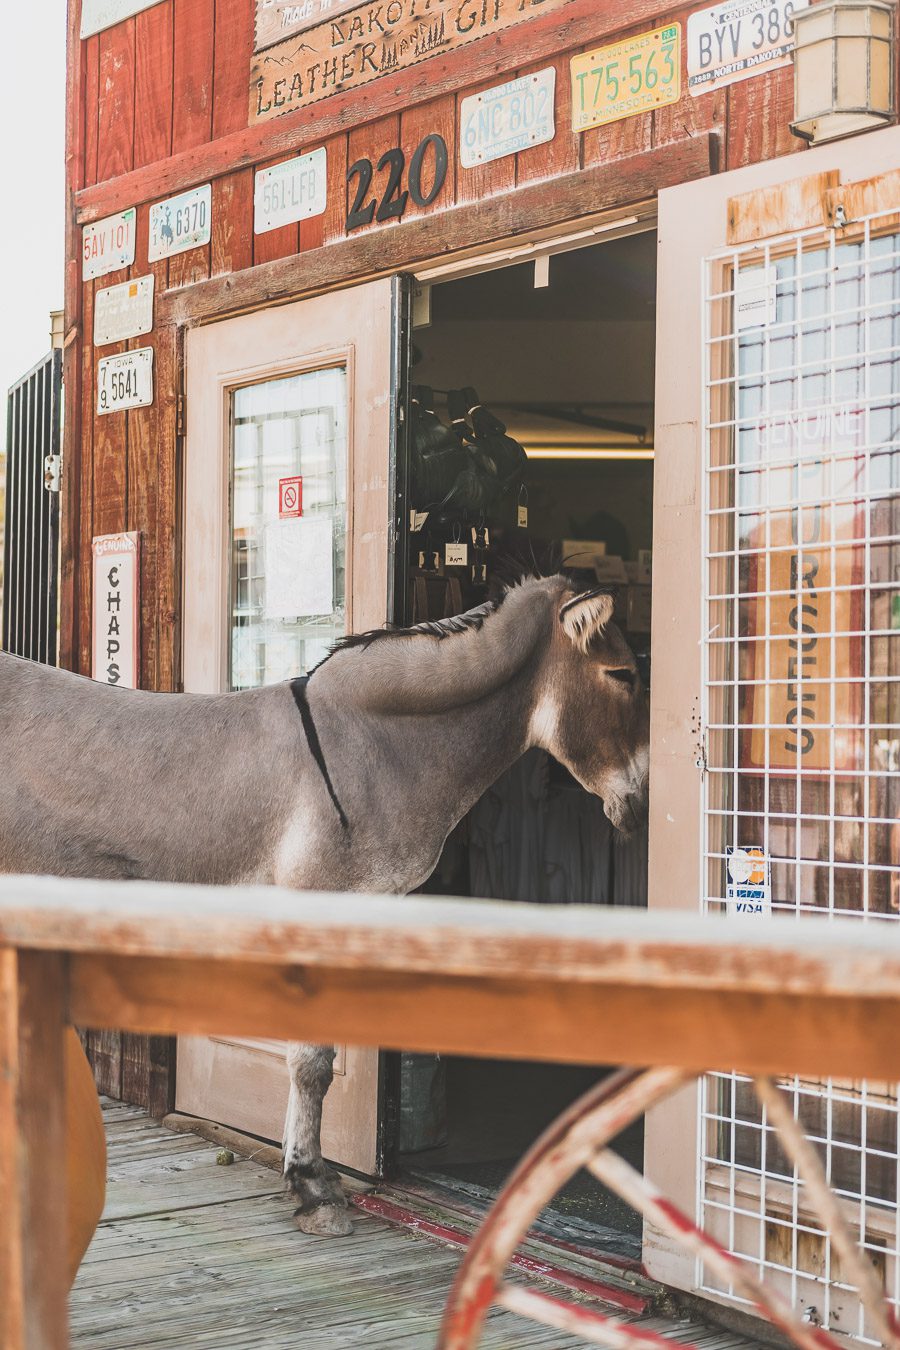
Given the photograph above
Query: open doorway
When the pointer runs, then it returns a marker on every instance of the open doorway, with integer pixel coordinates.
(560, 351)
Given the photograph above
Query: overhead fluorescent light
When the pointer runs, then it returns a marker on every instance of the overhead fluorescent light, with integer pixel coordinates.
(589, 452)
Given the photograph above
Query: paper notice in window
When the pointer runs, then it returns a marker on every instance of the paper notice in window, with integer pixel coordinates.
(299, 563)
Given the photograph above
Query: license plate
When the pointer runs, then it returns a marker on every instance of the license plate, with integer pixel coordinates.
(509, 118)
(180, 223)
(626, 78)
(107, 245)
(294, 190)
(734, 41)
(123, 311)
(125, 381)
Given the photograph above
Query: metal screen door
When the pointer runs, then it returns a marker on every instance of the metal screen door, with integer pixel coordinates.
(31, 541)
(802, 701)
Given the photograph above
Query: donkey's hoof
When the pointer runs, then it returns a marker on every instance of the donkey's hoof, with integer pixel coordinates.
(325, 1221)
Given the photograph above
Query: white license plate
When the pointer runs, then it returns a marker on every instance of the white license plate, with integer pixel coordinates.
(123, 311)
(511, 117)
(125, 381)
(108, 244)
(294, 190)
(180, 223)
(734, 41)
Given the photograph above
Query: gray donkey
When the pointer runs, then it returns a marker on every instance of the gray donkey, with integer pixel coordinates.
(350, 779)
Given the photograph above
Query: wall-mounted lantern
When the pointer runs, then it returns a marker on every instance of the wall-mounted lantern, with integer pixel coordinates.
(843, 68)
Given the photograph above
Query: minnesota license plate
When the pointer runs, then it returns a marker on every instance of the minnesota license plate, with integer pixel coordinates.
(125, 381)
(626, 78)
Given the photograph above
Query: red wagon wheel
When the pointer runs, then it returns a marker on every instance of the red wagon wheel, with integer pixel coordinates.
(579, 1138)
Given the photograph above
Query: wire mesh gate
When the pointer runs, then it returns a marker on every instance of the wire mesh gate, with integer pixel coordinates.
(31, 541)
(802, 707)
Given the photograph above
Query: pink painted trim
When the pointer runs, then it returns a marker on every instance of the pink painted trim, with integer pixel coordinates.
(455, 1237)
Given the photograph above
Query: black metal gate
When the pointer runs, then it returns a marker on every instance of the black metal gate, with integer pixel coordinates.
(31, 541)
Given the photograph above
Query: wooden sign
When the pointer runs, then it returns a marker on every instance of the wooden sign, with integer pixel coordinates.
(808, 601)
(280, 19)
(116, 609)
(375, 39)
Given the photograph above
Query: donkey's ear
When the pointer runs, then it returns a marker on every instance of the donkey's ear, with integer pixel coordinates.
(586, 615)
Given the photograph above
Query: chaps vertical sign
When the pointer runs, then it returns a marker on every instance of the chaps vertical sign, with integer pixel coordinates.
(116, 609)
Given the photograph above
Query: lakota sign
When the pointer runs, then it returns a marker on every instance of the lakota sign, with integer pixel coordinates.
(376, 39)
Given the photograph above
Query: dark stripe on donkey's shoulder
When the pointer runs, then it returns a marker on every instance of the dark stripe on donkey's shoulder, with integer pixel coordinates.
(298, 689)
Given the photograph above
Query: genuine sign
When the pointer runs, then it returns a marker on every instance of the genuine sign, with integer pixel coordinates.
(123, 311)
(116, 609)
(294, 190)
(278, 19)
(99, 14)
(376, 39)
(506, 119)
(734, 41)
(627, 78)
(108, 244)
(125, 381)
(180, 223)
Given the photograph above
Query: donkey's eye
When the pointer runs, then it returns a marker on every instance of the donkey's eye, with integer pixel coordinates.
(624, 676)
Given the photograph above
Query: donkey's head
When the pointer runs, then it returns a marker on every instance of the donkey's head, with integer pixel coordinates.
(591, 713)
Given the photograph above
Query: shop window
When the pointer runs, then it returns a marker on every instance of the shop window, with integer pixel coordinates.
(288, 524)
(802, 673)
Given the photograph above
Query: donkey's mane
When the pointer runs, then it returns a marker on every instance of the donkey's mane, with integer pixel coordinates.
(439, 628)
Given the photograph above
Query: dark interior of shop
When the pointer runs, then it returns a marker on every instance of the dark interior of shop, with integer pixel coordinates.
(560, 351)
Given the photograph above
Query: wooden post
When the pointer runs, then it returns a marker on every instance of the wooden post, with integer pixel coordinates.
(33, 1227)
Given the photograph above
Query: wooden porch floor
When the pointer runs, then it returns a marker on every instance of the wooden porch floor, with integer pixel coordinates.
(193, 1254)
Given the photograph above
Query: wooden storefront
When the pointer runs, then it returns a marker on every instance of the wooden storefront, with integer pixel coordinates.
(194, 94)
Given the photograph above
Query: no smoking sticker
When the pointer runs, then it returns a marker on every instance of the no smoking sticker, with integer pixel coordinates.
(290, 497)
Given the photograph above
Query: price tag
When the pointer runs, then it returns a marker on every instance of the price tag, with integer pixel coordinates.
(180, 223)
(626, 78)
(417, 520)
(125, 381)
(522, 516)
(456, 555)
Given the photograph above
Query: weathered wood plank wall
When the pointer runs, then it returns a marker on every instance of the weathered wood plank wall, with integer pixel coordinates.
(159, 103)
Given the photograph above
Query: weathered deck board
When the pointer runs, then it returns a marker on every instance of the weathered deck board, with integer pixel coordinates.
(190, 1253)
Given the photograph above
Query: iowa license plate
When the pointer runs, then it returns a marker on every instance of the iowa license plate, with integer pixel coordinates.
(125, 381)
(626, 78)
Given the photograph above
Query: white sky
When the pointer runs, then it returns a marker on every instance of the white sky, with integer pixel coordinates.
(32, 179)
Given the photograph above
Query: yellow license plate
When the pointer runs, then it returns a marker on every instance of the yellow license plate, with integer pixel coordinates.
(627, 78)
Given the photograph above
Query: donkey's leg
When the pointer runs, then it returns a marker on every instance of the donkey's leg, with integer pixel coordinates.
(322, 1206)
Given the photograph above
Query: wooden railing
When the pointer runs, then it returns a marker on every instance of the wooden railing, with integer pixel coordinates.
(583, 985)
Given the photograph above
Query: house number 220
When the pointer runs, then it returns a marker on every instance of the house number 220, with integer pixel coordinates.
(393, 200)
